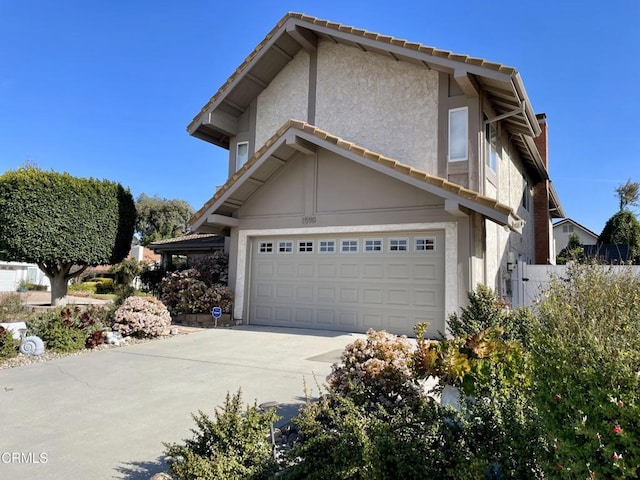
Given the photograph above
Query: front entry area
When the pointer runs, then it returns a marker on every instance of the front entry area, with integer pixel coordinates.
(349, 282)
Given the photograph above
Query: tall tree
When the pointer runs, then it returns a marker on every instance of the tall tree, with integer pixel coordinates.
(572, 252)
(63, 224)
(623, 228)
(628, 194)
(159, 218)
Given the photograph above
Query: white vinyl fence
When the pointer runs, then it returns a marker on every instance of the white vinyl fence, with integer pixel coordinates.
(530, 281)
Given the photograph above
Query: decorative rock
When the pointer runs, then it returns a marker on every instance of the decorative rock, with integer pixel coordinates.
(175, 331)
(114, 338)
(32, 345)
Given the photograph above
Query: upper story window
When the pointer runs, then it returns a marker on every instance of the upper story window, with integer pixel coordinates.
(242, 154)
(567, 228)
(526, 195)
(491, 146)
(458, 134)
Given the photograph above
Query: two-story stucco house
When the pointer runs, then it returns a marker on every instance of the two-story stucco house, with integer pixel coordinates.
(372, 181)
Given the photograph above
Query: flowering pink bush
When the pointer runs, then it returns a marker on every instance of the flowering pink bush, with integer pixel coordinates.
(141, 317)
(377, 370)
(198, 289)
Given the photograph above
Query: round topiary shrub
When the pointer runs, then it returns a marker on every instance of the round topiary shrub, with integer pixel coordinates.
(141, 317)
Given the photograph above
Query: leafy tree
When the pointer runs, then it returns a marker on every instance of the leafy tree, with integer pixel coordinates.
(622, 229)
(573, 251)
(628, 194)
(63, 224)
(159, 218)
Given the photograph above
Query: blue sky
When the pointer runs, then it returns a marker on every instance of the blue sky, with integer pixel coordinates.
(106, 89)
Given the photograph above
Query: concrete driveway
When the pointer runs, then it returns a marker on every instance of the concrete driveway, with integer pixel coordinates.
(105, 414)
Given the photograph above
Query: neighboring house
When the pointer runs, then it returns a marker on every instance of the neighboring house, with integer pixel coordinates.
(12, 273)
(373, 181)
(188, 247)
(564, 228)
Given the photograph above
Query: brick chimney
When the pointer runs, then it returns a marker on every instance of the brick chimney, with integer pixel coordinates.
(541, 219)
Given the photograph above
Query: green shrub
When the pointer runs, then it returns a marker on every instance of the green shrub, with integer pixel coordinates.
(486, 310)
(104, 285)
(586, 357)
(8, 345)
(68, 329)
(233, 445)
(340, 439)
(88, 287)
(28, 286)
(61, 337)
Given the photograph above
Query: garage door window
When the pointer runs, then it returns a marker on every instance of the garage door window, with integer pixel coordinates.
(285, 246)
(373, 245)
(305, 247)
(266, 247)
(327, 246)
(349, 246)
(398, 245)
(426, 244)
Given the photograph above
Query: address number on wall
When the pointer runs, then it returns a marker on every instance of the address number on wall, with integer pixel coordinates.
(308, 220)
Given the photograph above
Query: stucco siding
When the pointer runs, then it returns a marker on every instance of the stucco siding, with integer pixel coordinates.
(285, 98)
(384, 105)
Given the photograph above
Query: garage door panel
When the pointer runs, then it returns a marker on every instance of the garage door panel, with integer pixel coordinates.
(349, 270)
(264, 269)
(373, 271)
(285, 269)
(326, 294)
(354, 291)
(348, 319)
(372, 296)
(425, 271)
(304, 317)
(348, 295)
(327, 270)
(304, 293)
(305, 270)
(264, 291)
(372, 320)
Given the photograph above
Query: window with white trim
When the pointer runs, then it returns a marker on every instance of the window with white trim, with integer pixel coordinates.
(242, 154)
(458, 134)
(305, 246)
(266, 247)
(491, 146)
(398, 244)
(425, 244)
(373, 245)
(326, 246)
(349, 246)
(285, 246)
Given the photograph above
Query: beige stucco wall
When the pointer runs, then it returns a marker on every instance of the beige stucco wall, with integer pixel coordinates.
(384, 105)
(507, 188)
(285, 98)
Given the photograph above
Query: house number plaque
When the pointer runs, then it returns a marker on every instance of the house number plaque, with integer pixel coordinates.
(308, 220)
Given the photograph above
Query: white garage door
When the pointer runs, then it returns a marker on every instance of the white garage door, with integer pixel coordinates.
(349, 283)
(7, 279)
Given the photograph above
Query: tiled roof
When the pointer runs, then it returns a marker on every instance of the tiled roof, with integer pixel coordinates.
(191, 236)
(357, 150)
(338, 27)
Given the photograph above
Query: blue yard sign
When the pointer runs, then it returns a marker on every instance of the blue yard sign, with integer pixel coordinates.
(216, 312)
